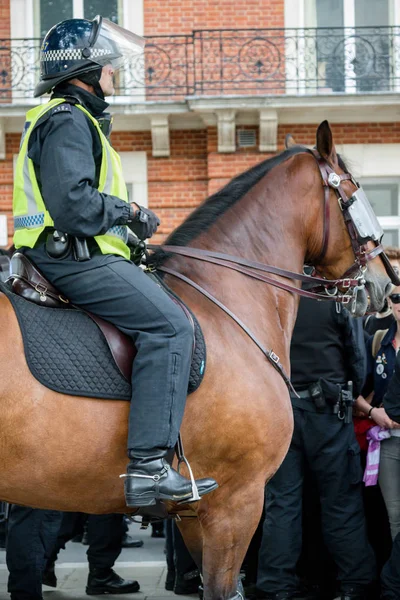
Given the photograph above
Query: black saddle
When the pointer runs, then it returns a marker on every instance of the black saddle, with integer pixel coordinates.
(73, 351)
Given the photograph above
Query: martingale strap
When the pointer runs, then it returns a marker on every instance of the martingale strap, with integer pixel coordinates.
(269, 354)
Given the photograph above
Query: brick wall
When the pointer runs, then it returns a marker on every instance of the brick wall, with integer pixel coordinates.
(5, 28)
(182, 16)
(195, 169)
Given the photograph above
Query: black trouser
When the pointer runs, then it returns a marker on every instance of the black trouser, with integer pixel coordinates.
(121, 293)
(104, 533)
(330, 450)
(179, 558)
(390, 576)
(31, 536)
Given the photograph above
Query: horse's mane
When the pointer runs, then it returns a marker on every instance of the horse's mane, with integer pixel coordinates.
(216, 205)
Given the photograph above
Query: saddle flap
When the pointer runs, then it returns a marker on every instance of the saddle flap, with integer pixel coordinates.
(27, 281)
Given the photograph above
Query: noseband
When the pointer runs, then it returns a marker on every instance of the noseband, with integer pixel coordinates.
(343, 290)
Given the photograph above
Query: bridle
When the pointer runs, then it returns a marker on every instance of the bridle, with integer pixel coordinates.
(342, 290)
(333, 180)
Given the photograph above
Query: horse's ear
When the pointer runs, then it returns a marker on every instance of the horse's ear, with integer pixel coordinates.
(289, 141)
(325, 145)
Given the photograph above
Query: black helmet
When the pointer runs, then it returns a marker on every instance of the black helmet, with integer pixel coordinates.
(79, 46)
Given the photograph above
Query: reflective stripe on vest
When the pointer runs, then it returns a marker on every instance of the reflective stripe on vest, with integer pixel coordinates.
(30, 214)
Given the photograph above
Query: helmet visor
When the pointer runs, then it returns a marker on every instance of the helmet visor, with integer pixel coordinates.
(114, 45)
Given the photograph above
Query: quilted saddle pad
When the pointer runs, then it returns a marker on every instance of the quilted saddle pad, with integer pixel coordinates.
(66, 351)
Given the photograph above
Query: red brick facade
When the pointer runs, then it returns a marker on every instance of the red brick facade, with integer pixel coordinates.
(5, 19)
(195, 168)
(184, 16)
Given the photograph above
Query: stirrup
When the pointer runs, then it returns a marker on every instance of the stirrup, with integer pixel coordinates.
(182, 459)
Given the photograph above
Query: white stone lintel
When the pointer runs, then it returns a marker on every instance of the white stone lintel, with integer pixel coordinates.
(268, 130)
(226, 130)
(160, 135)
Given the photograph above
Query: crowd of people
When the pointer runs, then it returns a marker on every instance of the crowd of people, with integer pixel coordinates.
(331, 525)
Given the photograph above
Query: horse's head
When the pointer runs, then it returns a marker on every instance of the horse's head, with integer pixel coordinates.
(348, 245)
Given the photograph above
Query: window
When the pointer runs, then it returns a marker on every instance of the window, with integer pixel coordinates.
(384, 195)
(134, 167)
(50, 12)
(109, 9)
(351, 48)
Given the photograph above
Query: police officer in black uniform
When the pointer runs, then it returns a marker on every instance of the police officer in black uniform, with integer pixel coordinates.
(327, 351)
(68, 153)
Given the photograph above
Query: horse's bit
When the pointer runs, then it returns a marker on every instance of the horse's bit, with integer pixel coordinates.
(362, 226)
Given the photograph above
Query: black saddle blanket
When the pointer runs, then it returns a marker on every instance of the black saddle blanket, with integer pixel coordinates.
(66, 351)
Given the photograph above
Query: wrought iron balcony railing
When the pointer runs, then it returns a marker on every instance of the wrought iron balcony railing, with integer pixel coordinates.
(236, 62)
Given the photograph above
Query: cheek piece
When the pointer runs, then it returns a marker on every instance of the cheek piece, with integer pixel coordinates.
(93, 78)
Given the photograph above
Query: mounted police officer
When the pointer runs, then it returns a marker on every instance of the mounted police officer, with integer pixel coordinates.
(72, 214)
(327, 351)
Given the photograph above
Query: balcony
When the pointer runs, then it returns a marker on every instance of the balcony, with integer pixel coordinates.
(251, 62)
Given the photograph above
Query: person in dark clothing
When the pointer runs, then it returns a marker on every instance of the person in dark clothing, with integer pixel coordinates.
(183, 576)
(390, 576)
(71, 218)
(382, 320)
(31, 535)
(34, 538)
(104, 535)
(327, 351)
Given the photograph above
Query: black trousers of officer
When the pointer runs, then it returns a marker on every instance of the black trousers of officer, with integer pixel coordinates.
(31, 535)
(104, 532)
(390, 576)
(179, 560)
(330, 449)
(120, 292)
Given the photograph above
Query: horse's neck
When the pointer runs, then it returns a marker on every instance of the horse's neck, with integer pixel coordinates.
(266, 232)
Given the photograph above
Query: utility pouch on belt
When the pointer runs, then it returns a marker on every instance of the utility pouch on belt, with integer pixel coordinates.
(58, 244)
(347, 402)
(317, 396)
(331, 391)
(80, 248)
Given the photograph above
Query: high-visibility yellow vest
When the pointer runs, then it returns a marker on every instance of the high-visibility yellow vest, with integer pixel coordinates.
(31, 216)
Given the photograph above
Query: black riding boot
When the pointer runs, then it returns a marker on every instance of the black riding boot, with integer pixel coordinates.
(149, 478)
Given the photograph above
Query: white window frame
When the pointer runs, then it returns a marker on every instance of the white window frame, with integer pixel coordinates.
(295, 18)
(3, 230)
(392, 221)
(134, 167)
(375, 163)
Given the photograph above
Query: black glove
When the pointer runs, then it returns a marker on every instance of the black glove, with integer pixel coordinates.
(144, 223)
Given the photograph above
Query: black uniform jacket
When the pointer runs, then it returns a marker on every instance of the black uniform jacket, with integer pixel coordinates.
(66, 151)
(391, 400)
(327, 343)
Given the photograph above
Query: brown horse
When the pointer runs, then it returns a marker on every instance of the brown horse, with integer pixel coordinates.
(67, 453)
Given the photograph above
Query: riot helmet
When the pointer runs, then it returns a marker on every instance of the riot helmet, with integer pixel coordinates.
(77, 46)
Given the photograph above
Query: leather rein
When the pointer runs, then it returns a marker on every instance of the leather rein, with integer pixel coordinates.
(343, 290)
